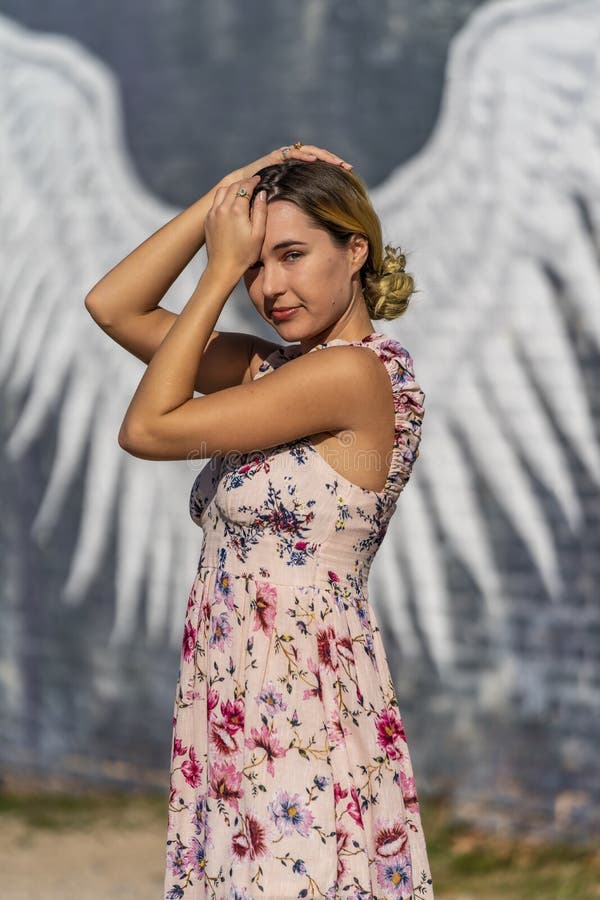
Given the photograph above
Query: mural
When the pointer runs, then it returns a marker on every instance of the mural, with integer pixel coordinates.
(486, 586)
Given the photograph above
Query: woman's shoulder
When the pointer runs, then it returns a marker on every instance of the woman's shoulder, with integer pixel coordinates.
(270, 355)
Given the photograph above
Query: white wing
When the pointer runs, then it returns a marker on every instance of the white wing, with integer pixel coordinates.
(70, 208)
(499, 213)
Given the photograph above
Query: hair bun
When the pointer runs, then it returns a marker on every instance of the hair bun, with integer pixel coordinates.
(394, 261)
(388, 289)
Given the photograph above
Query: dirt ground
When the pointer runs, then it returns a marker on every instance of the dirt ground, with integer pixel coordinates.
(104, 847)
(103, 857)
(92, 864)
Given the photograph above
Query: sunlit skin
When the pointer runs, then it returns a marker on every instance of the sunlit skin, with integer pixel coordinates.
(313, 273)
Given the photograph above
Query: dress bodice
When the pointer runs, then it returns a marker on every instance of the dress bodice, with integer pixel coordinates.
(287, 504)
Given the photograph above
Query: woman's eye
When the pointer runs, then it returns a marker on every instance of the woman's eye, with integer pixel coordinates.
(294, 253)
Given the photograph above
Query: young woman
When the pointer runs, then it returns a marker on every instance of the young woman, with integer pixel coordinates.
(291, 775)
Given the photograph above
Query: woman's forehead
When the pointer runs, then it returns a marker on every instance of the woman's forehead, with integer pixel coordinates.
(286, 222)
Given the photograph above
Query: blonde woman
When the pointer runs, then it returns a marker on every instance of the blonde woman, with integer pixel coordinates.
(291, 775)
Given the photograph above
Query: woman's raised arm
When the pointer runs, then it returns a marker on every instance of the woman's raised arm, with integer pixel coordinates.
(136, 285)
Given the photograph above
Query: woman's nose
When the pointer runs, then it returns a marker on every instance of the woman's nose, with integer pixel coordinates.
(272, 281)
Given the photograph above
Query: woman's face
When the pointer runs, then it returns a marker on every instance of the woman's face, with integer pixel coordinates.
(300, 266)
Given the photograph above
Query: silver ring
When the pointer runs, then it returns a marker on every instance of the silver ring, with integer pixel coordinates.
(285, 150)
(242, 192)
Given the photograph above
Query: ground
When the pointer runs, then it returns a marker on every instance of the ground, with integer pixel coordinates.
(109, 846)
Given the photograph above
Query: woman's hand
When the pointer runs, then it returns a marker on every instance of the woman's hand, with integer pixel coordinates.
(306, 153)
(234, 235)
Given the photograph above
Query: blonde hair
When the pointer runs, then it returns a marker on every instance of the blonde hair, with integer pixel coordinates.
(338, 201)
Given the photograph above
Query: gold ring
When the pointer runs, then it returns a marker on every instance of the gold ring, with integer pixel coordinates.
(243, 192)
(298, 144)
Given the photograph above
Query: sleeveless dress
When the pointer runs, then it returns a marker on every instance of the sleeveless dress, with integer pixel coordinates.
(291, 775)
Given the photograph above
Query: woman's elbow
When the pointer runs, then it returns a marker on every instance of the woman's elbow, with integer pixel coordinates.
(95, 311)
(127, 440)
(136, 442)
(123, 440)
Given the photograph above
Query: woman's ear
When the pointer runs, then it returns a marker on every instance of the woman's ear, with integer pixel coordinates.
(359, 251)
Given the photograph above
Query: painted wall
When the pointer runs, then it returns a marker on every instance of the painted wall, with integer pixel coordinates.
(477, 129)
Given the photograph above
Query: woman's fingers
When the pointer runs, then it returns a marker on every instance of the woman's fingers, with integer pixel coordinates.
(234, 232)
(229, 192)
(306, 153)
(248, 183)
(310, 152)
(259, 218)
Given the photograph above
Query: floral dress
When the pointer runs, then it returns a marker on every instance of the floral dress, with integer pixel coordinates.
(291, 775)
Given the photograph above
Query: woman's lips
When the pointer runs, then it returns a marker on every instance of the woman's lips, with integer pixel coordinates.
(284, 313)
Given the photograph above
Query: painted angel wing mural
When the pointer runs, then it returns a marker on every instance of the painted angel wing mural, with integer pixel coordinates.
(71, 207)
(500, 215)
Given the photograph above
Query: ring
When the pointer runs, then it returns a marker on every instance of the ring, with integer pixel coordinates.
(298, 144)
(242, 192)
(285, 150)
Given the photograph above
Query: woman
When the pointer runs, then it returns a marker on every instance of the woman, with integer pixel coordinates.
(291, 775)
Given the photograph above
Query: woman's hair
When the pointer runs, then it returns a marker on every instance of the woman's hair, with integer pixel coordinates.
(337, 200)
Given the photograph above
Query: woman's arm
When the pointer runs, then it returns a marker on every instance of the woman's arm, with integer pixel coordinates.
(234, 239)
(125, 302)
(135, 286)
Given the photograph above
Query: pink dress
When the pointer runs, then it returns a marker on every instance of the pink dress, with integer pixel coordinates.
(291, 776)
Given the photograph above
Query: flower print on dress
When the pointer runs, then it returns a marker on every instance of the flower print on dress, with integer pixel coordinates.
(223, 730)
(192, 769)
(199, 819)
(289, 520)
(266, 739)
(392, 850)
(336, 732)
(394, 875)
(265, 607)
(178, 748)
(352, 808)
(189, 640)
(271, 700)
(291, 814)
(409, 792)
(390, 730)
(226, 784)
(223, 590)
(250, 841)
(220, 631)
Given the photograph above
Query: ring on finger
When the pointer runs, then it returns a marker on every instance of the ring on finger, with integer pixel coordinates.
(243, 192)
